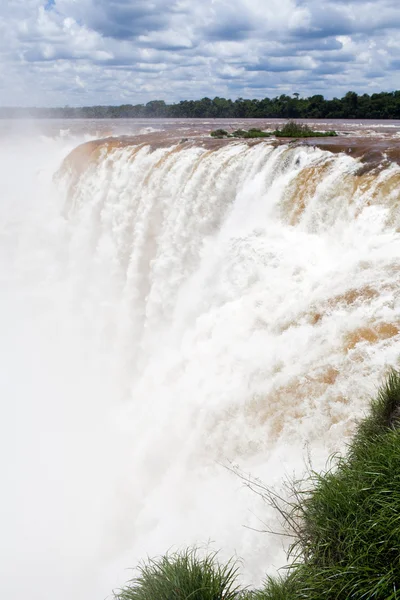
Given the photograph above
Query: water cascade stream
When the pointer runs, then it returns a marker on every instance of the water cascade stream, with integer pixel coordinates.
(169, 311)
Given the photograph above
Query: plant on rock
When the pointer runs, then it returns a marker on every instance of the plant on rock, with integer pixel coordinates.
(293, 129)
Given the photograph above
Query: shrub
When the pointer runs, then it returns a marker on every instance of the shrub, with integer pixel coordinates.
(384, 413)
(251, 133)
(183, 576)
(347, 526)
(301, 130)
(240, 133)
(219, 133)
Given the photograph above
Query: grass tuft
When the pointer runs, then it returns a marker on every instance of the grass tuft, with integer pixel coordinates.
(384, 412)
(347, 525)
(279, 588)
(183, 576)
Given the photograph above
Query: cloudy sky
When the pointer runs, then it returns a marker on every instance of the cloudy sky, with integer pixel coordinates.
(81, 52)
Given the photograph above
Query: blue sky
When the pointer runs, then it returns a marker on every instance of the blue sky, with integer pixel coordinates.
(80, 52)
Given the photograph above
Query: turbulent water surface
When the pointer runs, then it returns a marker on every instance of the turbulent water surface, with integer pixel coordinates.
(169, 308)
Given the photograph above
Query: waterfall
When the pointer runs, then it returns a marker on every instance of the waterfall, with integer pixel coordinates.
(172, 310)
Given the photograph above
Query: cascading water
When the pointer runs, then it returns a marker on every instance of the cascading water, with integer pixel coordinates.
(168, 311)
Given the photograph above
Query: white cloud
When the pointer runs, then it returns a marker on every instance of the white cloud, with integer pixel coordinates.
(113, 51)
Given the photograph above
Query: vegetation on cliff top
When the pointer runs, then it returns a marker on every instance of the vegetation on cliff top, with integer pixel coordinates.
(345, 523)
(385, 105)
(347, 526)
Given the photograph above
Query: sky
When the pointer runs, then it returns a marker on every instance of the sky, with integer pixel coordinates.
(85, 52)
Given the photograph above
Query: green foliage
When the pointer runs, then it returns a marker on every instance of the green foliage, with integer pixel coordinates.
(351, 528)
(279, 588)
(240, 133)
(251, 133)
(347, 526)
(219, 133)
(301, 130)
(385, 105)
(183, 576)
(384, 412)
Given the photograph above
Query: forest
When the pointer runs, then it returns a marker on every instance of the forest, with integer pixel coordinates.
(385, 105)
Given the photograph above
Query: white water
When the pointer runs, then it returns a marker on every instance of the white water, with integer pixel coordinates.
(173, 313)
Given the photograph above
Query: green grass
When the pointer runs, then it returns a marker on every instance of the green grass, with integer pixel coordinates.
(347, 526)
(384, 414)
(300, 130)
(350, 537)
(183, 576)
(278, 588)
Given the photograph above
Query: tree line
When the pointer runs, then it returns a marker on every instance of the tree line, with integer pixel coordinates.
(385, 105)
